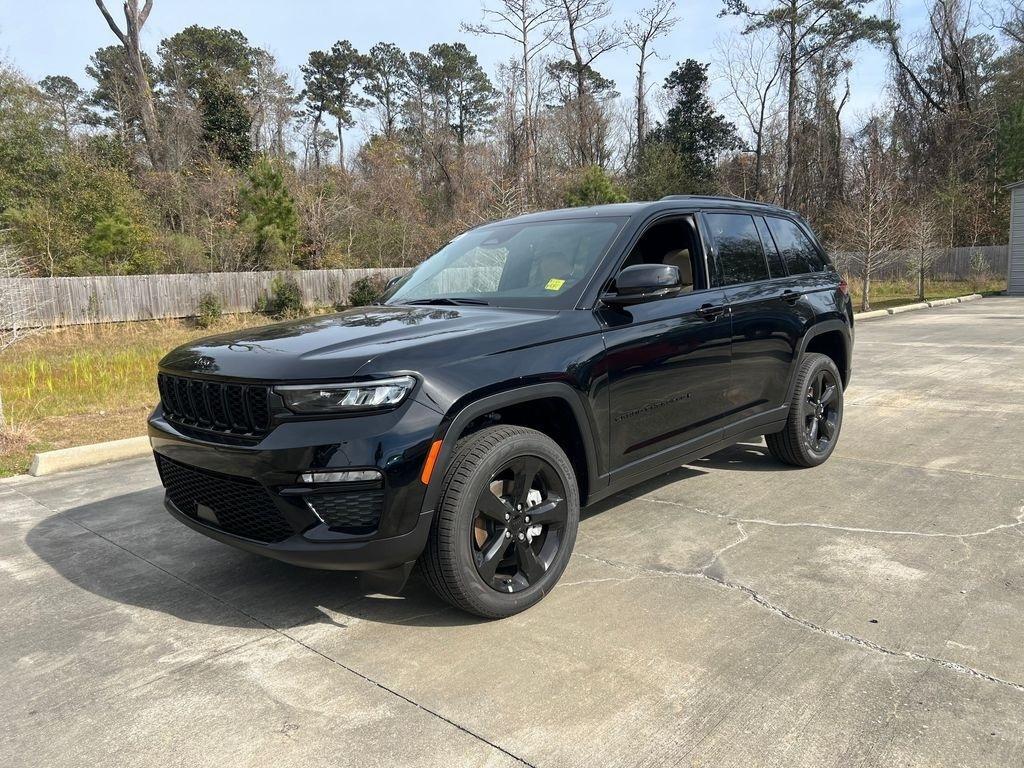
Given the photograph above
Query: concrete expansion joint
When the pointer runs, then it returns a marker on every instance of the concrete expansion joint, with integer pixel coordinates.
(705, 573)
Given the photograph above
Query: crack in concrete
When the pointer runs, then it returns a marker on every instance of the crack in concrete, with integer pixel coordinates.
(1018, 522)
(908, 465)
(778, 610)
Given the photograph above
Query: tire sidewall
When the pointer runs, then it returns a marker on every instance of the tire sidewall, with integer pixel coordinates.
(489, 599)
(818, 363)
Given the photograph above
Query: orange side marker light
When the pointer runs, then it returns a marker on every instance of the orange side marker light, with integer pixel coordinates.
(428, 465)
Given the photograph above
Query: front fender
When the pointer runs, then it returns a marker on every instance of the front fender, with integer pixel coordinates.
(472, 407)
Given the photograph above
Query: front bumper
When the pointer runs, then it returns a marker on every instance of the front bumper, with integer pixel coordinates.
(365, 555)
(251, 498)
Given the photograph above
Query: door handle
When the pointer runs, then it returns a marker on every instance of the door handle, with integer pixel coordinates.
(790, 296)
(710, 311)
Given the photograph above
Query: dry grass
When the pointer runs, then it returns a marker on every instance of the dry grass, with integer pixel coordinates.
(895, 292)
(87, 384)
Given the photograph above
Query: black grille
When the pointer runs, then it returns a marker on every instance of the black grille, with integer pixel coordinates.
(241, 506)
(232, 409)
(349, 511)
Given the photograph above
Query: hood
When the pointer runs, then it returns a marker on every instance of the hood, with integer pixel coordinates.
(340, 345)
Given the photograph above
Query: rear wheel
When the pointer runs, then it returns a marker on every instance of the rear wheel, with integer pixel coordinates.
(505, 524)
(815, 415)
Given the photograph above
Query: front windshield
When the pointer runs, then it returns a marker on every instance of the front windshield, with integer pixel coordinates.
(532, 264)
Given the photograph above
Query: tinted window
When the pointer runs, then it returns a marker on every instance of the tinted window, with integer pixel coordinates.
(738, 246)
(797, 251)
(775, 265)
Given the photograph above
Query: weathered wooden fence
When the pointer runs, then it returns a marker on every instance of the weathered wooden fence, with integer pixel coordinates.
(53, 301)
(947, 263)
(56, 301)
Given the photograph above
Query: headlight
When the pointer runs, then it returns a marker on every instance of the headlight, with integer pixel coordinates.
(339, 398)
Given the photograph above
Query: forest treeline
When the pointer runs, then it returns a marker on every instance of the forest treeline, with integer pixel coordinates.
(208, 156)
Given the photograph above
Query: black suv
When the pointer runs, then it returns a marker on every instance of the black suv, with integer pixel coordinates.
(530, 367)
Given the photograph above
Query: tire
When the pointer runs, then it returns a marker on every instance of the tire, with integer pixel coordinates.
(812, 427)
(463, 561)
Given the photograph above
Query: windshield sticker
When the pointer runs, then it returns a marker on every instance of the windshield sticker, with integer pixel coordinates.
(554, 284)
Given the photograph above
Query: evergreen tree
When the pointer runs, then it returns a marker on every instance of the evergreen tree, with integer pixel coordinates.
(267, 211)
(695, 132)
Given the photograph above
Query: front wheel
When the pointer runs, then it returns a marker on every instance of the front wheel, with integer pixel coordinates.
(506, 522)
(815, 415)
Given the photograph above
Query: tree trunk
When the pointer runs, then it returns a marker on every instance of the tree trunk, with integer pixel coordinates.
(316, 140)
(150, 127)
(920, 277)
(865, 295)
(3, 419)
(134, 20)
(640, 116)
(341, 146)
(791, 116)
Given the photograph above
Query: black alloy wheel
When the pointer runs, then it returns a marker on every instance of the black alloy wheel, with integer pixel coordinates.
(821, 424)
(815, 414)
(505, 523)
(519, 525)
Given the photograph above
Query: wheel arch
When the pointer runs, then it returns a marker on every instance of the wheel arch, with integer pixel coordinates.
(535, 406)
(832, 339)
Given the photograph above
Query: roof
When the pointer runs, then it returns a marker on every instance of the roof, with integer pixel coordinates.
(1015, 185)
(631, 209)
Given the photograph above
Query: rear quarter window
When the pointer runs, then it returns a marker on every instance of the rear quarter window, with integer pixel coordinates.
(796, 249)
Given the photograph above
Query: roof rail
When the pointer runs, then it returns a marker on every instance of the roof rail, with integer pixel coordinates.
(723, 197)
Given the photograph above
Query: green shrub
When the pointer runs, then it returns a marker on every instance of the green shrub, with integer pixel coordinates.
(593, 187)
(284, 299)
(366, 290)
(209, 310)
(118, 245)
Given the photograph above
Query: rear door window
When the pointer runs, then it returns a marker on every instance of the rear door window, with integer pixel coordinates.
(738, 247)
(775, 264)
(797, 251)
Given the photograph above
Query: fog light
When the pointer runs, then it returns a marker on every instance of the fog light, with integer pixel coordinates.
(346, 476)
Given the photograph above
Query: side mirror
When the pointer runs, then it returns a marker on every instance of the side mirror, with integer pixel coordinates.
(392, 282)
(644, 282)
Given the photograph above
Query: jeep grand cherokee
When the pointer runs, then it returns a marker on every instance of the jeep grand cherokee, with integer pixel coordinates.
(530, 367)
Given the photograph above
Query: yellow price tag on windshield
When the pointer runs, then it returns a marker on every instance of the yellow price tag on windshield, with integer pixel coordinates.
(554, 284)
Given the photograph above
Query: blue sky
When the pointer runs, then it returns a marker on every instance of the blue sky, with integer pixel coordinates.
(57, 37)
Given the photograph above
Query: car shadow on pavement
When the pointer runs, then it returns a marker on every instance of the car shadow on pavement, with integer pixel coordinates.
(744, 457)
(130, 550)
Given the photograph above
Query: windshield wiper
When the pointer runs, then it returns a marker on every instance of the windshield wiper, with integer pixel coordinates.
(454, 301)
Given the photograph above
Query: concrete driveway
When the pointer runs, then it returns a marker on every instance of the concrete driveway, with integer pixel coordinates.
(732, 613)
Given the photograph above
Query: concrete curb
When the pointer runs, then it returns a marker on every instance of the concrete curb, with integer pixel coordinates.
(913, 307)
(907, 308)
(81, 456)
(871, 314)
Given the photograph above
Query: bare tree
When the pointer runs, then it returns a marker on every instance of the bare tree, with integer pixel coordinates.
(585, 36)
(135, 19)
(1008, 17)
(526, 23)
(869, 222)
(648, 25)
(922, 236)
(806, 28)
(752, 70)
(14, 307)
